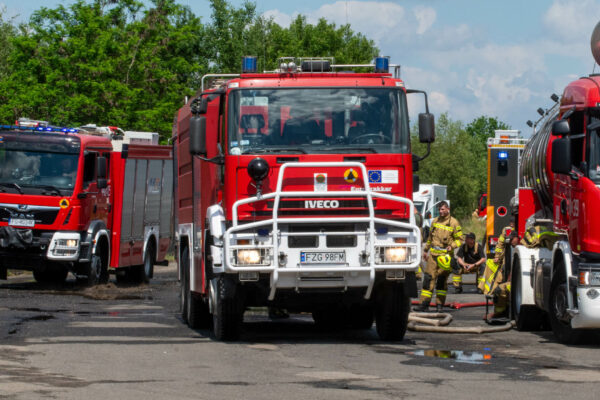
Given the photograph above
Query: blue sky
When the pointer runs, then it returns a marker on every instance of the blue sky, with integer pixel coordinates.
(473, 57)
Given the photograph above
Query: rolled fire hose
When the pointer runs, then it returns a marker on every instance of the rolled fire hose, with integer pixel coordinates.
(437, 322)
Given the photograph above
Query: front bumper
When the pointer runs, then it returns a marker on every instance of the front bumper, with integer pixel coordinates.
(588, 312)
(286, 262)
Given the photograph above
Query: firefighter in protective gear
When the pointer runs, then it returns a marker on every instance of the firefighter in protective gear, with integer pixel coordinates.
(539, 236)
(503, 240)
(495, 285)
(470, 259)
(445, 236)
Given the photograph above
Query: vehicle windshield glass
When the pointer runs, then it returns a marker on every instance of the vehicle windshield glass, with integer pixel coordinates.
(328, 120)
(30, 168)
(594, 153)
(419, 206)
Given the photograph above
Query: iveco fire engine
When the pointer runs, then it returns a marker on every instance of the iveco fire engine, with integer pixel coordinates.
(560, 179)
(69, 201)
(294, 191)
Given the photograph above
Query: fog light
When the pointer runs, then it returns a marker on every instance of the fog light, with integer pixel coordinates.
(248, 256)
(592, 294)
(395, 254)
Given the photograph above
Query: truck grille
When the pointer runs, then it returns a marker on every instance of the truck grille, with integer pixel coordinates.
(41, 215)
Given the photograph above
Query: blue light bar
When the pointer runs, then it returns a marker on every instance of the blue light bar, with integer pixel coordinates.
(38, 128)
(382, 64)
(381, 230)
(249, 64)
(503, 155)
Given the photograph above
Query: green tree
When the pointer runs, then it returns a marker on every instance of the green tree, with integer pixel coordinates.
(459, 160)
(7, 33)
(106, 62)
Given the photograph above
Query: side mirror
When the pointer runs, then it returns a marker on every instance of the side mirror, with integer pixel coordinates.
(561, 128)
(101, 168)
(102, 183)
(426, 128)
(416, 182)
(561, 156)
(198, 135)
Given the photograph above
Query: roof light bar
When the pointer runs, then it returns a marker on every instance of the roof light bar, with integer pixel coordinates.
(38, 128)
(249, 64)
(382, 64)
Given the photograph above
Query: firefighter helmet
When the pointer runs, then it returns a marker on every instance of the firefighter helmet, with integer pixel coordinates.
(444, 262)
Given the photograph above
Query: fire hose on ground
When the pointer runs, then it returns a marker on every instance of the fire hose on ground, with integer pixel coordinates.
(438, 322)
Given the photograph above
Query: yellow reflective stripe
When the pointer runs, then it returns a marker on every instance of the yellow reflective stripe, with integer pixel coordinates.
(436, 252)
(508, 287)
(487, 287)
(448, 268)
(441, 292)
(480, 279)
(426, 293)
(444, 227)
(457, 243)
(457, 278)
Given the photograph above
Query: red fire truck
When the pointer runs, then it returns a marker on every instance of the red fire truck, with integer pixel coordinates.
(560, 180)
(70, 202)
(294, 191)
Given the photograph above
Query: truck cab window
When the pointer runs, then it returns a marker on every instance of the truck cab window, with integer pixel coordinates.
(593, 158)
(89, 169)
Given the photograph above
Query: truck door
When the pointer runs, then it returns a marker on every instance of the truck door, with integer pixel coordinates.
(95, 201)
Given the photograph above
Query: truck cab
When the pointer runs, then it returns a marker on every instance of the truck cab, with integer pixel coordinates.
(54, 202)
(294, 190)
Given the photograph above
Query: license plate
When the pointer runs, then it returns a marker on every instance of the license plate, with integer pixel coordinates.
(322, 257)
(21, 222)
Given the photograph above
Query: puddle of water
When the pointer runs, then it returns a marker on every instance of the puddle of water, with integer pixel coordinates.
(455, 355)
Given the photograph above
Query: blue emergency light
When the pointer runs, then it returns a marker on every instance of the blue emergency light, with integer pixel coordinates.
(249, 65)
(503, 155)
(382, 64)
(38, 128)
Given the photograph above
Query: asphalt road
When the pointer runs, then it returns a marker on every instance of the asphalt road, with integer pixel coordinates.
(122, 342)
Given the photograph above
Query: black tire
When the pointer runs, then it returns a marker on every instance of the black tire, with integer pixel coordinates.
(228, 311)
(527, 317)
(93, 271)
(51, 274)
(392, 310)
(194, 310)
(558, 304)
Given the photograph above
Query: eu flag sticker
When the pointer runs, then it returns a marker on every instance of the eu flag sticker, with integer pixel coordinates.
(302, 257)
(375, 176)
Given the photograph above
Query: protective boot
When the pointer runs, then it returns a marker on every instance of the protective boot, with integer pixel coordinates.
(423, 307)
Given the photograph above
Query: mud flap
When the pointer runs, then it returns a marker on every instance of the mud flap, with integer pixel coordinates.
(410, 285)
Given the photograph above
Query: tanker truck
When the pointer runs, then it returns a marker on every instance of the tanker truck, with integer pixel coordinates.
(560, 190)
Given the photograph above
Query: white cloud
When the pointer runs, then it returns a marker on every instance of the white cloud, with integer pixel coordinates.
(572, 20)
(279, 18)
(464, 72)
(426, 18)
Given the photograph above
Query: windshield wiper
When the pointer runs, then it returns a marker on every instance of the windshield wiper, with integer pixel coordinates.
(272, 150)
(12, 185)
(351, 149)
(48, 187)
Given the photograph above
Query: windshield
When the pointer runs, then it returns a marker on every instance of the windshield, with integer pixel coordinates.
(419, 206)
(594, 153)
(36, 165)
(332, 120)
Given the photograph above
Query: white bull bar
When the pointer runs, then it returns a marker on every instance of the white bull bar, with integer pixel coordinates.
(275, 234)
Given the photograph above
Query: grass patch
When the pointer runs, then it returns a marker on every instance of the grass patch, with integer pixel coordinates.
(475, 225)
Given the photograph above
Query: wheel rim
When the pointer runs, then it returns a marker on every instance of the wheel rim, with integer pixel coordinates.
(96, 267)
(518, 300)
(560, 304)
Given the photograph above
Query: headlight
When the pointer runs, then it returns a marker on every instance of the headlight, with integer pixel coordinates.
(67, 242)
(395, 254)
(248, 256)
